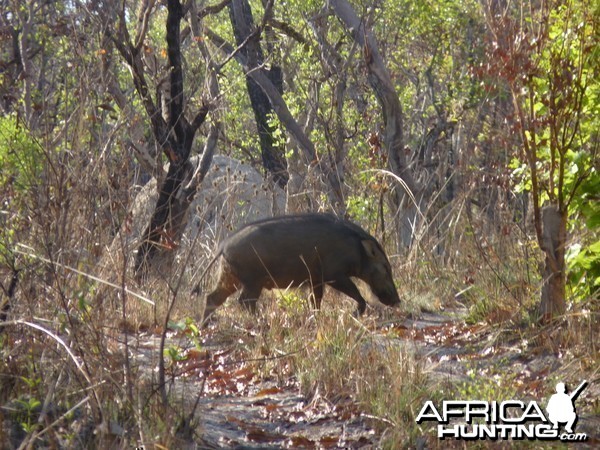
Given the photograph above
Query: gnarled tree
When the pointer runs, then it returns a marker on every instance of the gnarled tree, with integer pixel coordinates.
(172, 131)
(381, 83)
(248, 41)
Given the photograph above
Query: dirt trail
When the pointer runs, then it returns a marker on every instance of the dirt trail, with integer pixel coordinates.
(237, 409)
(241, 411)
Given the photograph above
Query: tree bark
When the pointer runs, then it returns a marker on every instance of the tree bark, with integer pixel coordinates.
(554, 234)
(381, 82)
(393, 140)
(336, 67)
(285, 116)
(242, 22)
(175, 139)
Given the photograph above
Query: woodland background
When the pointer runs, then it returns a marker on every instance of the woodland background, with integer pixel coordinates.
(134, 135)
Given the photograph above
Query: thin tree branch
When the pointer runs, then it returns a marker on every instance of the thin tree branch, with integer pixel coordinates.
(200, 118)
(288, 30)
(270, 90)
(212, 9)
(143, 20)
(380, 80)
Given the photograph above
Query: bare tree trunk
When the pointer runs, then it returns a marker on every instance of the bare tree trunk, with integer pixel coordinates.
(335, 67)
(381, 82)
(289, 122)
(554, 233)
(174, 134)
(243, 23)
(27, 16)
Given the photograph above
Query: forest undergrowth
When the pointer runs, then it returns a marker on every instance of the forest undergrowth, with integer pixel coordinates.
(135, 136)
(71, 377)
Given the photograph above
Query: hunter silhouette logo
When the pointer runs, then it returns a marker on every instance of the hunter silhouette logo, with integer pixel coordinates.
(510, 419)
(561, 406)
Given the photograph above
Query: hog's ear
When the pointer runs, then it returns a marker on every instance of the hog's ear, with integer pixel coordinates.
(371, 248)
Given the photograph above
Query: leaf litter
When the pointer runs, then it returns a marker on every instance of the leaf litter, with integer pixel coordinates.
(242, 409)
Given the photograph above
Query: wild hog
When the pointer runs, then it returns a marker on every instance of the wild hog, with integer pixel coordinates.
(286, 251)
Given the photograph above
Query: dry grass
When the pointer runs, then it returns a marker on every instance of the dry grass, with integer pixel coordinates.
(334, 356)
(69, 380)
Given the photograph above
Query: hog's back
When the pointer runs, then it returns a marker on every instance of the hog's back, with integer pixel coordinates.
(290, 250)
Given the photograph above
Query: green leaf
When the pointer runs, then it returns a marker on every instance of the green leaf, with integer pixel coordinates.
(539, 106)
